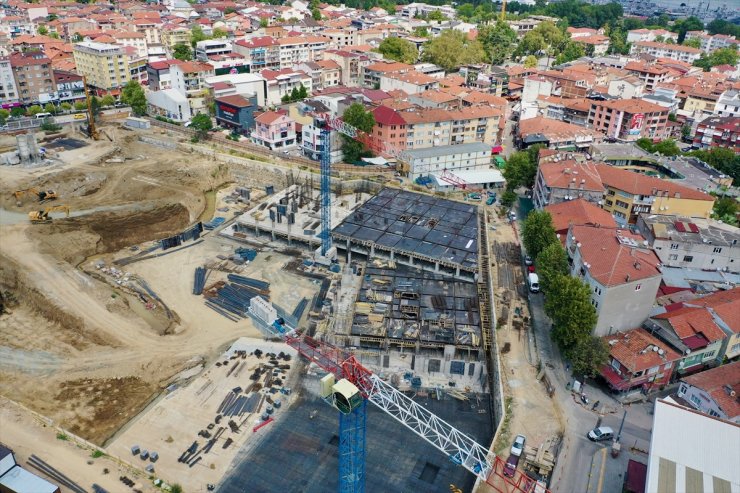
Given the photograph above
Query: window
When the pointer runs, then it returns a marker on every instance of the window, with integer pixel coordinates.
(709, 354)
(674, 246)
(672, 257)
(638, 287)
(735, 347)
(717, 250)
(713, 413)
(688, 258)
(695, 401)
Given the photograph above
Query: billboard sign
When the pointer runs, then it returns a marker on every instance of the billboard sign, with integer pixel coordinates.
(636, 124)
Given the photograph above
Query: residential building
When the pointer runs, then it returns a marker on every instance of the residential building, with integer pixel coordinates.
(281, 83)
(169, 103)
(475, 156)
(623, 276)
(299, 49)
(15, 479)
(372, 73)
(665, 97)
(390, 127)
(567, 84)
(628, 119)
(69, 86)
(230, 63)
(312, 143)
(34, 78)
(105, 66)
(714, 392)
(244, 84)
(566, 177)
(260, 52)
(704, 330)
(718, 131)
(629, 194)
(410, 82)
(351, 65)
(636, 35)
(578, 212)
(568, 110)
(422, 9)
(158, 74)
(629, 87)
(434, 127)
(692, 243)
(594, 45)
(648, 72)
(9, 96)
(678, 52)
(638, 359)
(209, 47)
(330, 74)
(728, 104)
(711, 42)
(174, 35)
(556, 134)
(689, 449)
(189, 79)
(275, 131)
(133, 39)
(236, 112)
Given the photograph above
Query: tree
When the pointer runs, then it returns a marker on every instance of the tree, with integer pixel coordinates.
(722, 159)
(572, 51)
(667, 147)
(569, 306)
(108, 100)
(17, 111)
(589, 355)
(508, 198)
(175, 488)
(50, 108)
(721, 26)
(725, 209)
(79, 106)
(682, 26)
(466, 11)
(451, 49)
(219, 33)
(302, 92)
(66, 106)
(181, 51)
(530, 61)
(551, 263)
(133, 95)
(76, 38)
(95, 106)
(531, 44)
(538, 232)
(54, 35)
(34, 110)
(693, 42)
(420, 32)
(398, 49)
(498, 41)
(48, 125)
(196, 35)
(202, 124)
(43, 30)
(264, 23)
(722, 56)
(618, 44)
(519, 171)
(316, 14)
(357, 116)
(436, 15)
(4, 114)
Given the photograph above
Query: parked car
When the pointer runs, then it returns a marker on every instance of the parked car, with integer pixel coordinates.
(534, 282)
(600, 434)
(80, 116)
(518, 446)
(510, 467)
(528, 260)
(530, 269)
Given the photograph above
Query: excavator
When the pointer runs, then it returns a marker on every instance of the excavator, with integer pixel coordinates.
(43, 195)
(38, 217)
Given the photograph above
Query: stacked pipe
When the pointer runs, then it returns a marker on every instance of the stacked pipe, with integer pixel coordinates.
(248, 281)
(298, 311)
(200, 280)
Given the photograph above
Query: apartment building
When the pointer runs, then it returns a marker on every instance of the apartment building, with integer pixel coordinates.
(351, 65)
(457, 159)
(718, 131)
(34, 78)
(728, 104)
(678, 52)
(173, 35)
(636, 35)
(8, 90)
(105, 66)
(189, 79)
(69, 86)
(714, 392)
(282, 82)
(623, 276)
(694, 243)
(628, 119)
(435, 127)
(711, 42)
(133, 39)
(261, 52)
(422, 9)
(555, 134)
(578, 212)
(565, 179)
(312, 143)
(299, 49)
(410, 82)
(275, 131)
(650, 73)
(210, 47)
(629, 194)
(372, 73)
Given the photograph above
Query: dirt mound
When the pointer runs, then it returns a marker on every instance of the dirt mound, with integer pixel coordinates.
(74, 239)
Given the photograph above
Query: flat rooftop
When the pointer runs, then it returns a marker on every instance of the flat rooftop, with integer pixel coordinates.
(417, 225)
(417, 306)
(692, 230)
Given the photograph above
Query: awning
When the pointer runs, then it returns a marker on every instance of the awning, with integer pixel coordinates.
(636, 477)
(697, 341)
(497, 149)
(613, 378)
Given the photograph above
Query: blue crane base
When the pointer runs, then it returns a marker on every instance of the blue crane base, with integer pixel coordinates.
(352, 450)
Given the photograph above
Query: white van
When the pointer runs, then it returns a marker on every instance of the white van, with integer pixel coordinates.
(534, 282)
(41, 116)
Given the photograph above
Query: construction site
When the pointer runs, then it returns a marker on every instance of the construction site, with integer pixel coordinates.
(160, 295)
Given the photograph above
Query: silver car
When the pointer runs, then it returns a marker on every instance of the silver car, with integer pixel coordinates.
(518, 447)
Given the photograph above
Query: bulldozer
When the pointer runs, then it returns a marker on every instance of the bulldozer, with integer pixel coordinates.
(43, 195)
(38, 217)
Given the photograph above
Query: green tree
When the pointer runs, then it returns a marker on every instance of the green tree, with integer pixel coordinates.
(79, 106)
(531, 44)
(618, 44)
(646, 144)
(538, 232)
(50, 108)
(508, 198)
(264, 23)
(398, 49)
(34, 110)
(519, 171)
(316, 14)
(572, 51)
(48, 125)
(201, 123)
(181, 51)
(108, 100)
(682, 26)
(357, 116)
(451, 49)
(175, 488)
(54, 35)
(43, 30)
(133, 95)
(667, 147)
(530, 61)
(76, 38)
(95, 106)
(4, 114)
(498, 41)
(436, 15)
(722, 159)
(722, 56)
(466, 11)
(196, 35)
(17, 111)
(693, 42)
(589, 355)
(302, 92)
(721, 26)
(219, 33)
(569, 306)
(66, 106)
(725, 209)
(420, 32)
(551, 263)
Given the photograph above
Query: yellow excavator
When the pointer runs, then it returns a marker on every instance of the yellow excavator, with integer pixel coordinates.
(37, 217)
(43, 195)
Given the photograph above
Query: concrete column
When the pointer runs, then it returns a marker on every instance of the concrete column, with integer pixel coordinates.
(372, 249)
(393, 255)
(457, 271)
(436, 266)
(411, 260)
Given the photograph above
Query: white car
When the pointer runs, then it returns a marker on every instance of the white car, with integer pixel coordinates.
(518, 447)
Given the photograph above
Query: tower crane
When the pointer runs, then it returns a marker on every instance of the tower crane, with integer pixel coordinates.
(348, 387)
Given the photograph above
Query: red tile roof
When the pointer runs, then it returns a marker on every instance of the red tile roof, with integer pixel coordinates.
(689, 322)
(580, 212)
(635, 350)
(235, 100)
(726, 304)
(639, 184)
(611, 262)
(269, 117)
(571, 174)
(387, 116)
(258, 42)
(719, 382)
